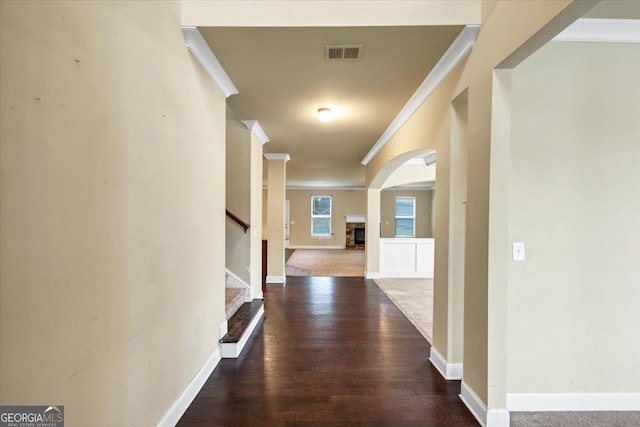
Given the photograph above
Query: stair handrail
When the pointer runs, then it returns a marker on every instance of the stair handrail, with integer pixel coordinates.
(237, 220)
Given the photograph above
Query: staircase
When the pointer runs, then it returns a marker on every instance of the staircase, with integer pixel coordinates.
(242, 318)
(233, 300)
(243, 314)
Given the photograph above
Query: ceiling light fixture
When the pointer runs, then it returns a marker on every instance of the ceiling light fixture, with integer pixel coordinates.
(324, 114)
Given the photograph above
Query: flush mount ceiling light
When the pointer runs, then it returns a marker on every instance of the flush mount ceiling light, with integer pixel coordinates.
(324, 114)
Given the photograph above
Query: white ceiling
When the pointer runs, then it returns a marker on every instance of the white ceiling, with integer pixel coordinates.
(283, 78)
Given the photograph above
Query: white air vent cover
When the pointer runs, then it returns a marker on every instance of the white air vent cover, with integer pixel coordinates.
(350, 52)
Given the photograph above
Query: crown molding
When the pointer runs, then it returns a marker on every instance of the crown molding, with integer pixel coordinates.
(200, 49)
(422, 161)
(601, 31)
(302, 187)
(277, 156)
(458, 50)
(418, 161)
(255, 127)
(409, 188)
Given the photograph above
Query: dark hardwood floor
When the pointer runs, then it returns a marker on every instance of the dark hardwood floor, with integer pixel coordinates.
(330, 352)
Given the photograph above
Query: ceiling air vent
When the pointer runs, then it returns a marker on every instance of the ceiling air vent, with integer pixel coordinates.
(350, 52)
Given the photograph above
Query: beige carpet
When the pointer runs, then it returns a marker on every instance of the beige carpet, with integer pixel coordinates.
(414, 297)
(326, 262)
(575, 419)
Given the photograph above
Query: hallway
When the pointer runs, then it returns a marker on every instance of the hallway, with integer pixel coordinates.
(331, 351)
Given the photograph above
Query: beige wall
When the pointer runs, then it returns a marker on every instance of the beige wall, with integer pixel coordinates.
(112, 159)
(238, 196)
(344, 202)
(265, 195)
(423, 211)
(574, 202)
(411, 174)
(457, 197)
(244, 198)
(512, 31)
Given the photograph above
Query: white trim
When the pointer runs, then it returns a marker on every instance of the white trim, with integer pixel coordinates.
(405, 275)
(223, 329)
(368, 275)
(276, 279)
(316, 247)
(234, 281)
(449, 371)
(498, 418)
(355, 218)
(473, 403)
(486, 418)
(255, 127)
(277, 156)
(233, 350)
(430, 159)
(407, 257)
(419, 161)
(302, 187)
(430, 187)
(458, 50)
(533, 402)
(199, 48)
(601, 31)
(179, 407)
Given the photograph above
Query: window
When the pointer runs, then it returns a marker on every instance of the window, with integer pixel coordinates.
(321, 216)
(405, 216)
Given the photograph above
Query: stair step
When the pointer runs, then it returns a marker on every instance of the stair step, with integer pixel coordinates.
(240, 327)
(233, 300)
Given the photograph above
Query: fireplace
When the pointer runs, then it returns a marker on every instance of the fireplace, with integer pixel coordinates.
(355, 232)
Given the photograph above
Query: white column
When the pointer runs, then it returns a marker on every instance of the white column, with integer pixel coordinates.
(372, 248)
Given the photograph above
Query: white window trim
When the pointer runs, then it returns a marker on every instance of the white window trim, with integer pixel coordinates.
(413, 216)
(322, 236)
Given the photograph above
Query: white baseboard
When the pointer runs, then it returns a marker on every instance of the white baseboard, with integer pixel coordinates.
(533, 402)
(368, 275)
(405, 275)
(498, 418)
(276, 279)
(179, 407)
(235, 281)
(223, 329)
(486, 418)
(233, 350)
(449, 371)
(316, 247)
(472, 401)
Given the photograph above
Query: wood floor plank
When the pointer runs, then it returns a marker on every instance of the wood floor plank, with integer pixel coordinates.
(330, 352)
(239, 322)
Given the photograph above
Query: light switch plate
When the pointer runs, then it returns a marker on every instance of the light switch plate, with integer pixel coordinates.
(518, 251)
